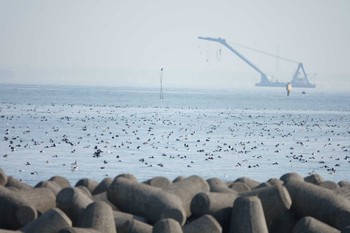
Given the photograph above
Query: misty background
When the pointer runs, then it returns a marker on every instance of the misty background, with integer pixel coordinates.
(126, 43)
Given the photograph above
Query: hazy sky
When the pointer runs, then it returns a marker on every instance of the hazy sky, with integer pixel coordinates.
(127, 42)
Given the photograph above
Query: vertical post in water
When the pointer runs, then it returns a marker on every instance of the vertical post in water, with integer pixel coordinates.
(277, 60)
(161, 84)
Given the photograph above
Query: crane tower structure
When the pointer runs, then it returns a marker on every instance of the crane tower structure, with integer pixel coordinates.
(299, 78)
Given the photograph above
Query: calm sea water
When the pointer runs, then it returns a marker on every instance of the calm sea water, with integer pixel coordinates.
(259, 133)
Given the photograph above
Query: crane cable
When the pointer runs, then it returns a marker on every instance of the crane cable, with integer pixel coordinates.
(265, 53)
(218, 52)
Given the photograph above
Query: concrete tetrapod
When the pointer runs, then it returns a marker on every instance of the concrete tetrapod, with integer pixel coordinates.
(344, 192)
(186, 189)
(284, 223)
(320, 203)
(88, 183)
(204, 224)
(61, 181)
(103, 186)
(98, 216)
(209, 203)
(344, 183)
(72, 201)
(312, 225)
(239, 187)
(219, 186)
(52, 185)
(314, 179)
(158, 181)
(219, 205)
(103, 197)
(120, 218)
(51, 221)
(269, 183)
(135, 226)
(3, 177)
(78, 230)
(144, 200)
(18, 211)
(178, 178)
(329, 185)
(13, 182)
(42, 199)
(275, 201)
(248, 181)
(84, 190)
(248, 216)
(291, 176)
(167, 225)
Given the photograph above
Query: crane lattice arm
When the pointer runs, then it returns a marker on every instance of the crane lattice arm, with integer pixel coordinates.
(224, 43)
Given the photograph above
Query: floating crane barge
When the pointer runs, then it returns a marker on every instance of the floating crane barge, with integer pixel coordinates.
(299, 78)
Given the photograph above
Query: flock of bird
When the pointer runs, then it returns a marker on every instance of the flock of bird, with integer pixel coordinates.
(107, 137)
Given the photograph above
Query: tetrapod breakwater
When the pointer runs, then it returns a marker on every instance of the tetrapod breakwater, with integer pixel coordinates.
(291, 203)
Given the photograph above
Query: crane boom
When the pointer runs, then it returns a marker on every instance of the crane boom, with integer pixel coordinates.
(300, 78)
(222, 41)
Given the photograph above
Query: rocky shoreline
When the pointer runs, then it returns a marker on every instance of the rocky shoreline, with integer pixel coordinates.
(191, 204)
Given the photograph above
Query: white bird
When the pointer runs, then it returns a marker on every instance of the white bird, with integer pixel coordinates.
(74, 166)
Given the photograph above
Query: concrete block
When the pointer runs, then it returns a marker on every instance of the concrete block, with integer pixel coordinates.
(312, 225)
(98, 216)
(90, 184)
(204, 224)
(167, 225)
(320, 203)
(219, 186)
(144, 200)
(51, 221)
(248, 216)
(72, 201)
(186, 189)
